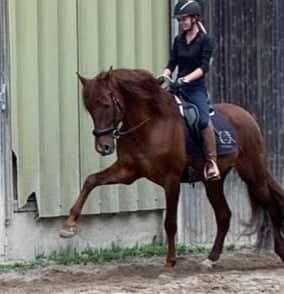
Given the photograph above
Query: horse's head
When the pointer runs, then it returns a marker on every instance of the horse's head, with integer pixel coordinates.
(105, 110)
(128, 96)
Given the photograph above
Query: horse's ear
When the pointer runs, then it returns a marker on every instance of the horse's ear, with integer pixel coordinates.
(82, 79)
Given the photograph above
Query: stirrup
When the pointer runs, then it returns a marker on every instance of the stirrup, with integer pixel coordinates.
(214, 176)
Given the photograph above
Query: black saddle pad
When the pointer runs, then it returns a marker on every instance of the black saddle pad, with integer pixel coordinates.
(224, 133)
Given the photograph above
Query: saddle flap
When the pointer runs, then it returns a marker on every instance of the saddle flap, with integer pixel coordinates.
(190, 113)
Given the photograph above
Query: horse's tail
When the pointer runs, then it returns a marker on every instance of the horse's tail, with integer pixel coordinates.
(260, 222)
(277, 193)
(257, 221)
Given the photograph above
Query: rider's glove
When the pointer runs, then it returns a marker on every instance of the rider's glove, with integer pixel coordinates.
(164, 81)
(181, 81)
(161, 79)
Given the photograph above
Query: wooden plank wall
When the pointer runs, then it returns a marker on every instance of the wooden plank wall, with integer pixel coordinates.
(248, 67)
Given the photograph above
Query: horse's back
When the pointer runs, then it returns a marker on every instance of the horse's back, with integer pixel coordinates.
(237, 115)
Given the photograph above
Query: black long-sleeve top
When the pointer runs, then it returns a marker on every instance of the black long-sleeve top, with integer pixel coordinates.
(189, 57)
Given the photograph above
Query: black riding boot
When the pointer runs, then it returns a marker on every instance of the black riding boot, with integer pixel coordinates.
(211, 170)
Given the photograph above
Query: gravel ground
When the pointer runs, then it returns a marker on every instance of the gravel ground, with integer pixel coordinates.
(235, 273)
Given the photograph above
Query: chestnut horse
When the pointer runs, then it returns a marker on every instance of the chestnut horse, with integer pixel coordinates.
(129, 106)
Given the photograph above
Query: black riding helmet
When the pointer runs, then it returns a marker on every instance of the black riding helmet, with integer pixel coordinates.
(187, 8)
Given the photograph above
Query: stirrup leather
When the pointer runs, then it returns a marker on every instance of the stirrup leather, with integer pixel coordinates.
(213, 176)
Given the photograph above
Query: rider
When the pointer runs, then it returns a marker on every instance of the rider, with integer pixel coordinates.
(191, 52)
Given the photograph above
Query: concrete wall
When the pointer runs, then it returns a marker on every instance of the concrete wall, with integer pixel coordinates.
(28, 237)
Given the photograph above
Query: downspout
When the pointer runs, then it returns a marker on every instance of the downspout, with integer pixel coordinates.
(6, 190)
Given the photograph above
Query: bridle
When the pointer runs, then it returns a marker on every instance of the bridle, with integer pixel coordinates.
(116, 120)
(116, 131)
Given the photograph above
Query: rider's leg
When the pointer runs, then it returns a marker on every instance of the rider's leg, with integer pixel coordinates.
(199, 97)
(211, 170)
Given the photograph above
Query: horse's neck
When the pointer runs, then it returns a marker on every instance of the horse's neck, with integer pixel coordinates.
(145, 116)
(135, 116)
(139, 110)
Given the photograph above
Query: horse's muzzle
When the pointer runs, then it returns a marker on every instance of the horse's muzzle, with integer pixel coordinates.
(105, 149)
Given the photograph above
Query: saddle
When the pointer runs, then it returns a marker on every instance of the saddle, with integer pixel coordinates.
(224, 133)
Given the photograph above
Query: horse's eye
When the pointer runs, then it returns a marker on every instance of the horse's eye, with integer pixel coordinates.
(105, 105)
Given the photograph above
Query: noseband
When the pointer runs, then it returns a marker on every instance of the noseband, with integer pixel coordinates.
(116, 131)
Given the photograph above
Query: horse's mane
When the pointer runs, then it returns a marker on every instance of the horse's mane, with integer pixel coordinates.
(137, 84)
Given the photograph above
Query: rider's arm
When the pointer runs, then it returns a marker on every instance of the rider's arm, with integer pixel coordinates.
(196, 74)
(172, 61)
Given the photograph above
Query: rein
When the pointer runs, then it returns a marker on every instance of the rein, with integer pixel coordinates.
(118, 133)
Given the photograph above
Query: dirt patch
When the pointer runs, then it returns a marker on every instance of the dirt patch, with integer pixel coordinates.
(235, 273)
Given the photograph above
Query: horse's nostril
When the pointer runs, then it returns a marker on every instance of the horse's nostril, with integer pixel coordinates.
(107, 148)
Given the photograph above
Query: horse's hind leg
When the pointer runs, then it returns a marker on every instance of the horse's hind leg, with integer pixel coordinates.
(215, 194)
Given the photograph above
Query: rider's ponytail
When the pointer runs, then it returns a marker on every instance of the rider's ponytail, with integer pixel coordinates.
(201, 27)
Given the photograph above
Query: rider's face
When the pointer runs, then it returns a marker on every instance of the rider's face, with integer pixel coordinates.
(185, 22)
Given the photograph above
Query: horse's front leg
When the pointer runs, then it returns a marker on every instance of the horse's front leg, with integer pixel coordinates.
(172, 188)
(116, 173)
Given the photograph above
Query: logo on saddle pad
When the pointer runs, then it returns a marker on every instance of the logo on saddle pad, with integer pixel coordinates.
(225, 137)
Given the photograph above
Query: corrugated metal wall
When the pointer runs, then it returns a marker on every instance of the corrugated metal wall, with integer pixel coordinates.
(124, 34)
(248, 70)
(45, 117)
(52, 141)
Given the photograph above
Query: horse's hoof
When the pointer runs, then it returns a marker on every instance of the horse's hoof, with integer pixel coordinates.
(167, 272)
(68, 232)
(207, 264)
(168, 269)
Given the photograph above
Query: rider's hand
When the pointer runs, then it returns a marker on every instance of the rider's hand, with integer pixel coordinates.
(167, 72)
(182, 80)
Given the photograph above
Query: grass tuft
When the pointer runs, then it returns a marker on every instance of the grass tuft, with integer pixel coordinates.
(97, 256)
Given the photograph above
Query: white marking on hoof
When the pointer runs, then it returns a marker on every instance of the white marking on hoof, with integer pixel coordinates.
(208, 264)
(165, 276)
(68, 232)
